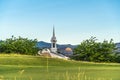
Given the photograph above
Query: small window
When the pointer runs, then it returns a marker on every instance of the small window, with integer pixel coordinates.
(53, 44)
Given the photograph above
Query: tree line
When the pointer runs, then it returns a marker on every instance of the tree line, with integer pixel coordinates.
(18, 45)
(87, 50)
(92, 50)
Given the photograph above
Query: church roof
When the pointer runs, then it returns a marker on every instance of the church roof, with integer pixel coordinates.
(68, 49)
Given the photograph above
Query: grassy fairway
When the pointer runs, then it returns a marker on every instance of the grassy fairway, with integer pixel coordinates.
(22, 67)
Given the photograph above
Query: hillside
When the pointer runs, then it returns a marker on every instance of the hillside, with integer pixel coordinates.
(15, 59)
(61, 47)
(42, 44)
(24, 67)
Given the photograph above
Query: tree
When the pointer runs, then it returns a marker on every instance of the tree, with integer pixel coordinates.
(91, 50)
(19, 45)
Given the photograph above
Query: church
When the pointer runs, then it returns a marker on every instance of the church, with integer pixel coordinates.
(53, 50)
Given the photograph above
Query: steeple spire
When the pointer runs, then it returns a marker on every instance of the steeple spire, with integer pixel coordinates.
(53, 31)
(53, 39)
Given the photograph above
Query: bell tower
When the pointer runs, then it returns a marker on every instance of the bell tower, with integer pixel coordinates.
(53, 42)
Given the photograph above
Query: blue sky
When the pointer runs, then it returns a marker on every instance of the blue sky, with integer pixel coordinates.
(74, 20)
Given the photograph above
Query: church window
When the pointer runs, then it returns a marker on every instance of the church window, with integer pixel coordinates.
(54, 45)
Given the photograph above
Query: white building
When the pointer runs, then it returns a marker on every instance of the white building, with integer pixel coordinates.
(53, 50)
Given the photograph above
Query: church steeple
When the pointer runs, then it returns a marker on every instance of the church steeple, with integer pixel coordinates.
(53, 31)
(53, 39)
(53, 42)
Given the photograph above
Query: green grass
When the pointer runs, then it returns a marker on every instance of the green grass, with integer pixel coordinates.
(24, 67)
